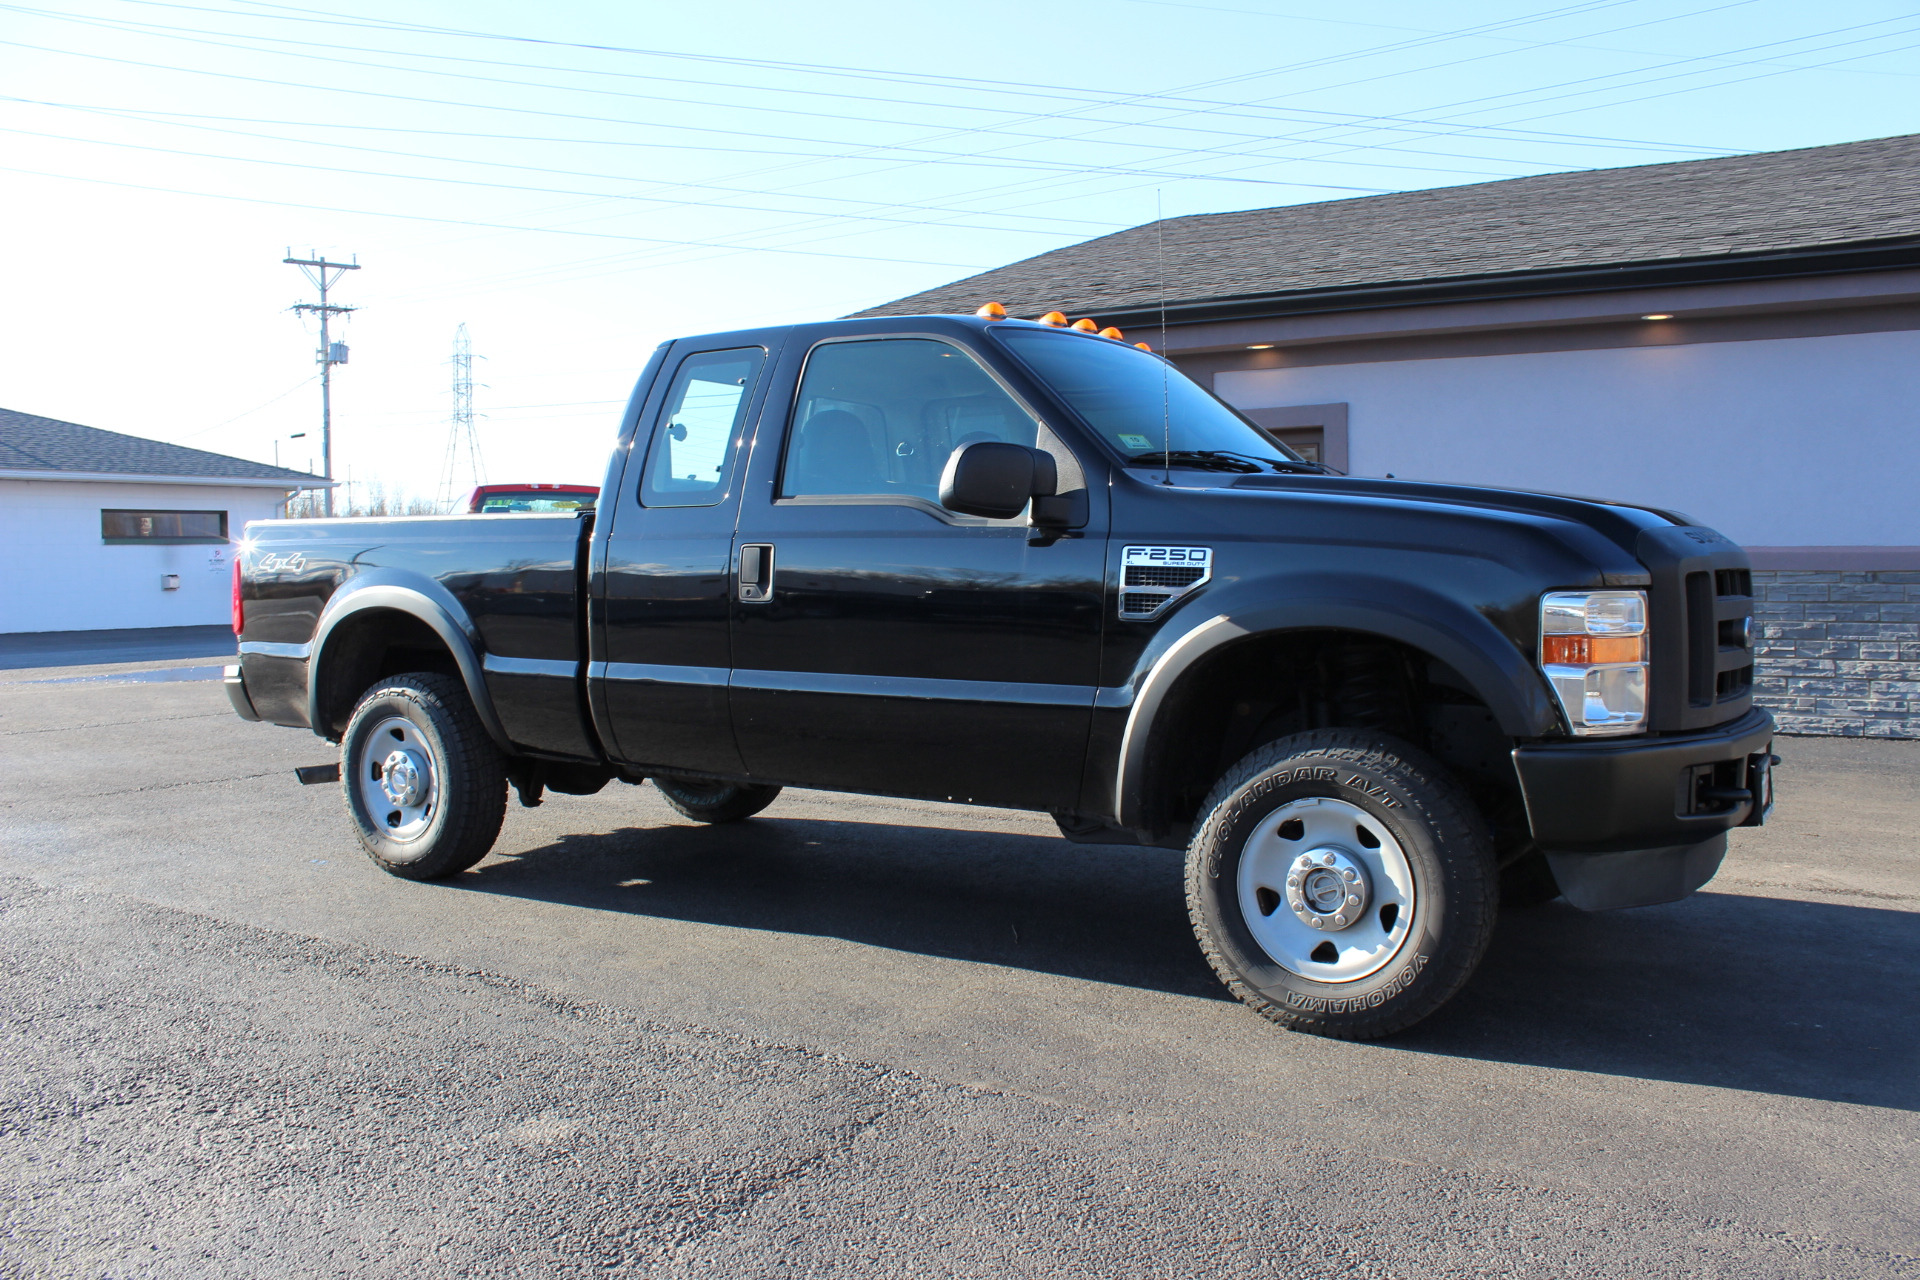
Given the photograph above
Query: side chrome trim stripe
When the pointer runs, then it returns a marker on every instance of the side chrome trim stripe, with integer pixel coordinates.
(1046, 695)
(270, 649)
(556, 667)
(653, 673)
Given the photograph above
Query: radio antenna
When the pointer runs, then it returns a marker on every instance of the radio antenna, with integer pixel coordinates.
(1166, 408)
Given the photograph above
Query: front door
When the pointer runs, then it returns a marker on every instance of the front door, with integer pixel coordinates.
(662, 646)
(882, 643)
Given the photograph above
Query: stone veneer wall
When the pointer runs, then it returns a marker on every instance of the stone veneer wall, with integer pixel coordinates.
(1839, 652)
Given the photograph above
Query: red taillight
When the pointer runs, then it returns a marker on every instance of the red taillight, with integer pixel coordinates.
(239, 610)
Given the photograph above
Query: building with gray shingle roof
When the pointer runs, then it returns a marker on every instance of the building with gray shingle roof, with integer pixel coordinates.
(105, 530)
(1737, 338)
(1848, 206)
(47, 447)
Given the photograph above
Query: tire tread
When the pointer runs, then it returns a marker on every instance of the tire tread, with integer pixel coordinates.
(1444, 806)
(473, 780)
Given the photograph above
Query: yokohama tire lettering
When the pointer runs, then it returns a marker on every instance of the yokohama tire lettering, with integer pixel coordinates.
(1356, 1004)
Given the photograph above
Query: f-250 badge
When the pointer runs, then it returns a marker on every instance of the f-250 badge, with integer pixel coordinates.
(1152, 578)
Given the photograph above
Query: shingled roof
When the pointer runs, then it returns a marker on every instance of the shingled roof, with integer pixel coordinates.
(1816, 198)
(32, 443)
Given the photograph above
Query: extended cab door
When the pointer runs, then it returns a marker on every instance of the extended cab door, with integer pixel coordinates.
(882, 643)
(661, 643)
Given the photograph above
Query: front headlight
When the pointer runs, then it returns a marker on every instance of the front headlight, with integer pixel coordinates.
(1593, 647)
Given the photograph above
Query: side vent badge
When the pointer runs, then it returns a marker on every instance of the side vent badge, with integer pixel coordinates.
(1152, 578)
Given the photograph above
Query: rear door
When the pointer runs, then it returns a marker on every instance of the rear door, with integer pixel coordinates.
(661, 644)
(883, 643)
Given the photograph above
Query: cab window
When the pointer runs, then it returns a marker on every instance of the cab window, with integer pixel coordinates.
(694, 441)
(879, 417)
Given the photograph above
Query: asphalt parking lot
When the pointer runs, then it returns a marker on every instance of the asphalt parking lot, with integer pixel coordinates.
(861, 1037)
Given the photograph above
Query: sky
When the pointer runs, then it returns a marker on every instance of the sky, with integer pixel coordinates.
(576, 183)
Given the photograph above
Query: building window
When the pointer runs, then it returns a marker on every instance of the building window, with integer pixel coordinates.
(128, 528)
(1317, 432)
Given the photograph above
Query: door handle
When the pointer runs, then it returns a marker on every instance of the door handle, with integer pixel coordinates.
(756, 572)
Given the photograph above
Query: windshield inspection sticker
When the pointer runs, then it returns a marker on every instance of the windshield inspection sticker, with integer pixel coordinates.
(1136, 442)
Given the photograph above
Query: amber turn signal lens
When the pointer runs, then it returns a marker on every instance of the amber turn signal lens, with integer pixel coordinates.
(1055, 319)
(1583, 651)
(991, 311)
(1115, 334)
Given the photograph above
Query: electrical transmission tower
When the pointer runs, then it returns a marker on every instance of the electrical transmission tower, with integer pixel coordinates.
(463, 442)
(324, 274)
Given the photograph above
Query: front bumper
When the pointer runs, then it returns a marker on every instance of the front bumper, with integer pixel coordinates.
(1631, 823)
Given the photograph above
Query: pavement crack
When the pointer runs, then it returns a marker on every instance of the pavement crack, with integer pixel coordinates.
(113, 724)
(171, 786)
(1836, 890)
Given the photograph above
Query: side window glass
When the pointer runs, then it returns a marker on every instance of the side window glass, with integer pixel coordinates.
(879, 417)
(693, 445)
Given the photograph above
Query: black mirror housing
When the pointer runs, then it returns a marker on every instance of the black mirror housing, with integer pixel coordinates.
(995, 479)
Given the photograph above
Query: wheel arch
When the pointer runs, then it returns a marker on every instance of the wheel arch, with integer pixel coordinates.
(1488, 664)
(386, 613)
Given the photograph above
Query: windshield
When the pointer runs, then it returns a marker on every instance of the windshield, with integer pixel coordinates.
(1144, 406)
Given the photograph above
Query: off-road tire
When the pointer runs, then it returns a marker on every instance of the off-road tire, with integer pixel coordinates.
(469, 776)
(1446, 846)
(715, 801)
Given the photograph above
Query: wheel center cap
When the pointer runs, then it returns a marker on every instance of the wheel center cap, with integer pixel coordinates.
(402, 778)
(1327, 888)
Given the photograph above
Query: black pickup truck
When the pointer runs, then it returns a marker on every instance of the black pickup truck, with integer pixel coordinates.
(1005, 562)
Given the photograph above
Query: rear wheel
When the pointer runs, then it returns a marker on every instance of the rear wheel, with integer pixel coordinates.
(426, 787)
(1341, 884)
(715, 801)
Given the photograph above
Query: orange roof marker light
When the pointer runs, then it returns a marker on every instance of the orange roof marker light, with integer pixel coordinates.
(1144, 347)
(1115, 334)
(1055, 319)
(1086, 326)
(991, 311)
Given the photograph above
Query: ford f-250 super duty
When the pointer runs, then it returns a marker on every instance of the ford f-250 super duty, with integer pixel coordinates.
(1008, 563)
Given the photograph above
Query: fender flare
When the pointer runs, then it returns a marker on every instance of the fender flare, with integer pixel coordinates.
(1514, 692)
(420, 598)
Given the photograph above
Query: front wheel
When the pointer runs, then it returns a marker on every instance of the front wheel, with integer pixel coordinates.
(715, 801)
(1341, 884)
(426, 787)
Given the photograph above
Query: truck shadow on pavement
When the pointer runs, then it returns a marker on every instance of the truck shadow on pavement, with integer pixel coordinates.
(1771, 995)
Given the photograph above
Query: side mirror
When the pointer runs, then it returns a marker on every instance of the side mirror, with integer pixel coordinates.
(995, 479)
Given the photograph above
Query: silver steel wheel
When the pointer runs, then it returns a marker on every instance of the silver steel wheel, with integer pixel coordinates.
(1326, 890)
(399, 779)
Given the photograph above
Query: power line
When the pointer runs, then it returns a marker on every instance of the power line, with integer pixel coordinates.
(304, 382)
(502, 186)
(1091, 98)
(490, 226)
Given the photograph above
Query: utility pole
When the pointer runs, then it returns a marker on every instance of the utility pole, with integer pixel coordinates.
(324, 274)
(463, 443)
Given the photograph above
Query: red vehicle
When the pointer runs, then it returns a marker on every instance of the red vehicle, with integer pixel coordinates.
(504, 499)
